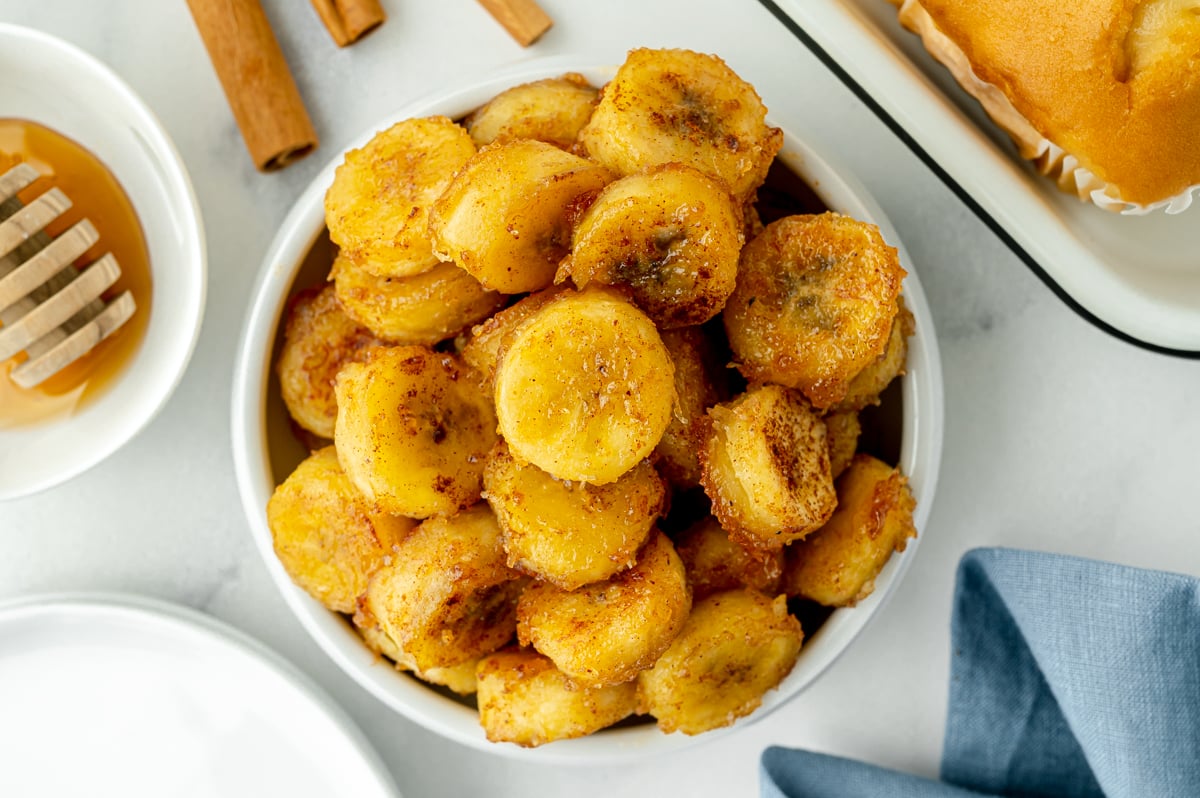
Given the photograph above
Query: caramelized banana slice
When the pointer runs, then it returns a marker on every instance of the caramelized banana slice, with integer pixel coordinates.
(446, 597)
(697, 389)
(585, 388)
(837, 564)
(570, 533)
(670, 234)
(734, 648)
(413, 430)
(869, 383)
(318, 341)
(552, 110)
(524, 699)
(605, 632)
(714, 563)
(482, 349)
(765, 465)
(841, 431)
(328, 538)
(456, 678)
(422, 309)
(814, 304)
(506, 216)
(666, 106)
(377, 207)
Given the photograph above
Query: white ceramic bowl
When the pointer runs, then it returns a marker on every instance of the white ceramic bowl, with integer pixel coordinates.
(265, 450)
(57, 85)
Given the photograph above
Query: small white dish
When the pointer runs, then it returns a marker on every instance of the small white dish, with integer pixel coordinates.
(265, 450)
(109, 695)
(1135, 277)
(48, 81)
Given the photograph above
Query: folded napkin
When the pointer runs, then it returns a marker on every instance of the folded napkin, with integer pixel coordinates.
(1069, 678)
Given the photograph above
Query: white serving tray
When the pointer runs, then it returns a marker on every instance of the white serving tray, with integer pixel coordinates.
(1135, 277)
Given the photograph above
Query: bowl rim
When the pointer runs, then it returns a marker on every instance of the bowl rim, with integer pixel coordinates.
(163, 160)
(920, 450)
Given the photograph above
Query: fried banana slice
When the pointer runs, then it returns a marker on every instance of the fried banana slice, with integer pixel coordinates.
(605, 632)
(488, 339)
(329, 539)
(697, 388)
(377, 209)
(735, 647)
(319, 339)
(553, 110)
(446, 596)
(422, 309)
(459, 678)
(714, 563)
(524, 699)
(677, 106)
(413, 430)
(869, 383)
(585, 388)
(841, 431)
(671, 234)
(506, 217)
(765, 465)
(837, 565)
(571, 533)
(814, 304)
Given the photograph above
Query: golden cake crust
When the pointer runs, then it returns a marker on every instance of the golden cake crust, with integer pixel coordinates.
(1116, 83)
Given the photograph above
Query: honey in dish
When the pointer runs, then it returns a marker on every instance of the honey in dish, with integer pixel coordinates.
(96, 195)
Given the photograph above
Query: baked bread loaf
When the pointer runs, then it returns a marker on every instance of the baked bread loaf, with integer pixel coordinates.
(1103, 95)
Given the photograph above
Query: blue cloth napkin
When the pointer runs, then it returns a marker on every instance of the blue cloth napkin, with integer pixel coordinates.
(1069, 678)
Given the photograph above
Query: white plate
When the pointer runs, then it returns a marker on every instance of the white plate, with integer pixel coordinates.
(51, 82)
(1138, 278)
(265, 450)
(124, 696)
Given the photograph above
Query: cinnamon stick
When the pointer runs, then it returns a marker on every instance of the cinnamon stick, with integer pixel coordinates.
(257, 83)
(349, 20)
(524, 20)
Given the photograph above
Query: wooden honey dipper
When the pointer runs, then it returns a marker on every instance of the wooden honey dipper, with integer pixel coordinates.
(49, 309)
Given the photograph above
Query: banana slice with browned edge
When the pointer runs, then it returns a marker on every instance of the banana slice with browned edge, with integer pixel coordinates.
(445, 596)
(377, 208)
(715, 563)
(458, 678)
(330, 539)
(842, 430)
(677, 106)
(571, 533)
(735, 647)
(671, 234)
(553, 110)
(837, 564)
(814, 304)
(524, 699)
(318, 340)
(605, 632)
(413, 430)
(765, 465)
(699, 384)
(506, 217)
(869, 383)
(422, 309)
(481, 350)
(585, 388)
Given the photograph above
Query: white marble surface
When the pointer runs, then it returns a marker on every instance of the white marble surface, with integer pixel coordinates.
(1058, 437)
